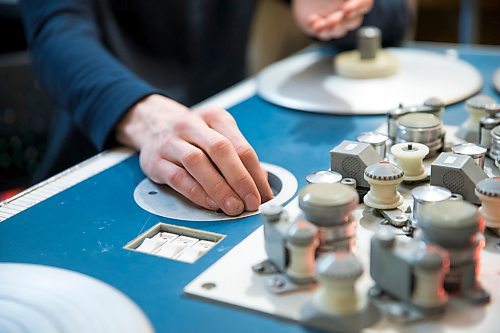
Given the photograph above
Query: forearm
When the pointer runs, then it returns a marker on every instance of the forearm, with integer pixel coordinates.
(75, 68)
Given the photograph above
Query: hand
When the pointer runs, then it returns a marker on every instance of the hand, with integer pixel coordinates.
(201, 154)
(329, 19)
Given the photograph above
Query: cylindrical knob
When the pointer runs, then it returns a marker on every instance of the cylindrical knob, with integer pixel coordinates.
(427, 194)
(337, 274)
(476, 106)
(477, 153)
(327, 205)
(431, 265)
(301, 243)
(423, 128)
(384, 179)
(488, 191)
(369, 42)
(271, 213)
(495, 143)
(376, 140)
(410, 157)
(486, 125)
(324, 177)
(450, 223)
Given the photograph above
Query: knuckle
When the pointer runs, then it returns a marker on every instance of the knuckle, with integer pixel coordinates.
(219, 147)
(192, 158)
(175, 178)
(182, 125)
(246, 152)
(220, 190)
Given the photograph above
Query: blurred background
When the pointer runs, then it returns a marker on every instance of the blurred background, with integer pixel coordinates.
(25, 110)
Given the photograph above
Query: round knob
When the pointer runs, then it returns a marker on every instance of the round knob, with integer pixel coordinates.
(301, 243)
(369, 42)
(337, 274)
(492, 109)
(383, 178)
(376, 140)
(488, 191)
(477, 153)
(476, 107)
(426, 194)
(450, 223)
(271, 213)
(420, 127)
(324, 177)
(410, 156)
(327, 205)
(434, 102)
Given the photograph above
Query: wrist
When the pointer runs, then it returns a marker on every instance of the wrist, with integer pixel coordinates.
(146, 119)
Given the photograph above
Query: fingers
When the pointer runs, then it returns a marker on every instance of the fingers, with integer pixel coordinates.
(341, 21)
(216, 119)
(223, 155)
(179, 179)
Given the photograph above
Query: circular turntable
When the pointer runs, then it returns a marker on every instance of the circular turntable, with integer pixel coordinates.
(43, 299)
(307, 82)
(164, 201)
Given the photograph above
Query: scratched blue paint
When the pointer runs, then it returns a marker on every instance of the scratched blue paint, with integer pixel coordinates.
(85, 227)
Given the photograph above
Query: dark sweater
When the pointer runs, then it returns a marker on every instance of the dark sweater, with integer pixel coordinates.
(97, 58)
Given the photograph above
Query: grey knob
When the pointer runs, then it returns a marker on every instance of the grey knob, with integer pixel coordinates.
(450, 223)
(369, 42)
(327, 205)
(479, 102)
(272, 213)
(339, 266)
(383, 170)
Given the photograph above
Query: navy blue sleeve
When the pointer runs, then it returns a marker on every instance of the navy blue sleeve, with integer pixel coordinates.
(72, 64)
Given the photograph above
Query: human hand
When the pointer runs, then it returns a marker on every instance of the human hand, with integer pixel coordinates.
(201, 154)
(329, 19)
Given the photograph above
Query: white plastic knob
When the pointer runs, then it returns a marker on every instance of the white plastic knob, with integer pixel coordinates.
(410, 156)
(337, 274)
(384, 179)
(302, 243)
(488, 191)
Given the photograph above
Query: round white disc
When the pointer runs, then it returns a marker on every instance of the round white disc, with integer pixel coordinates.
(306, 82)
(43, 299)
(162, 200)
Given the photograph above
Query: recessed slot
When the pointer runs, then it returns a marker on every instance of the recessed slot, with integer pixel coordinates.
(175, 242)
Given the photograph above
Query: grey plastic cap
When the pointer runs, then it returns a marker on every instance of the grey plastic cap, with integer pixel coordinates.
(479, 102)
(327, 205)
(271, 213)
(383, 170)
(489, 187)
(339, 266)
(449, 214)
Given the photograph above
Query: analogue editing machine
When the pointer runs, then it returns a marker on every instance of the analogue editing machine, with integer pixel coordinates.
(401, 232)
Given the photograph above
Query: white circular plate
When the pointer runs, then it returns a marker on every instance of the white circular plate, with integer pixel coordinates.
(162, 200)
(496, 80)
(43, 299)
(306, 82)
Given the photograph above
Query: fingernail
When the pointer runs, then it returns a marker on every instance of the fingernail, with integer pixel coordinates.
(212, 204)
(251, 202)
(233, 206)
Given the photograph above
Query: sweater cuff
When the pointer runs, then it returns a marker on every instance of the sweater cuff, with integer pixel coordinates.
(115, 105)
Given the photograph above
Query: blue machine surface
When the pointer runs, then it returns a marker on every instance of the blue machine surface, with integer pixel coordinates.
(85, 227)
